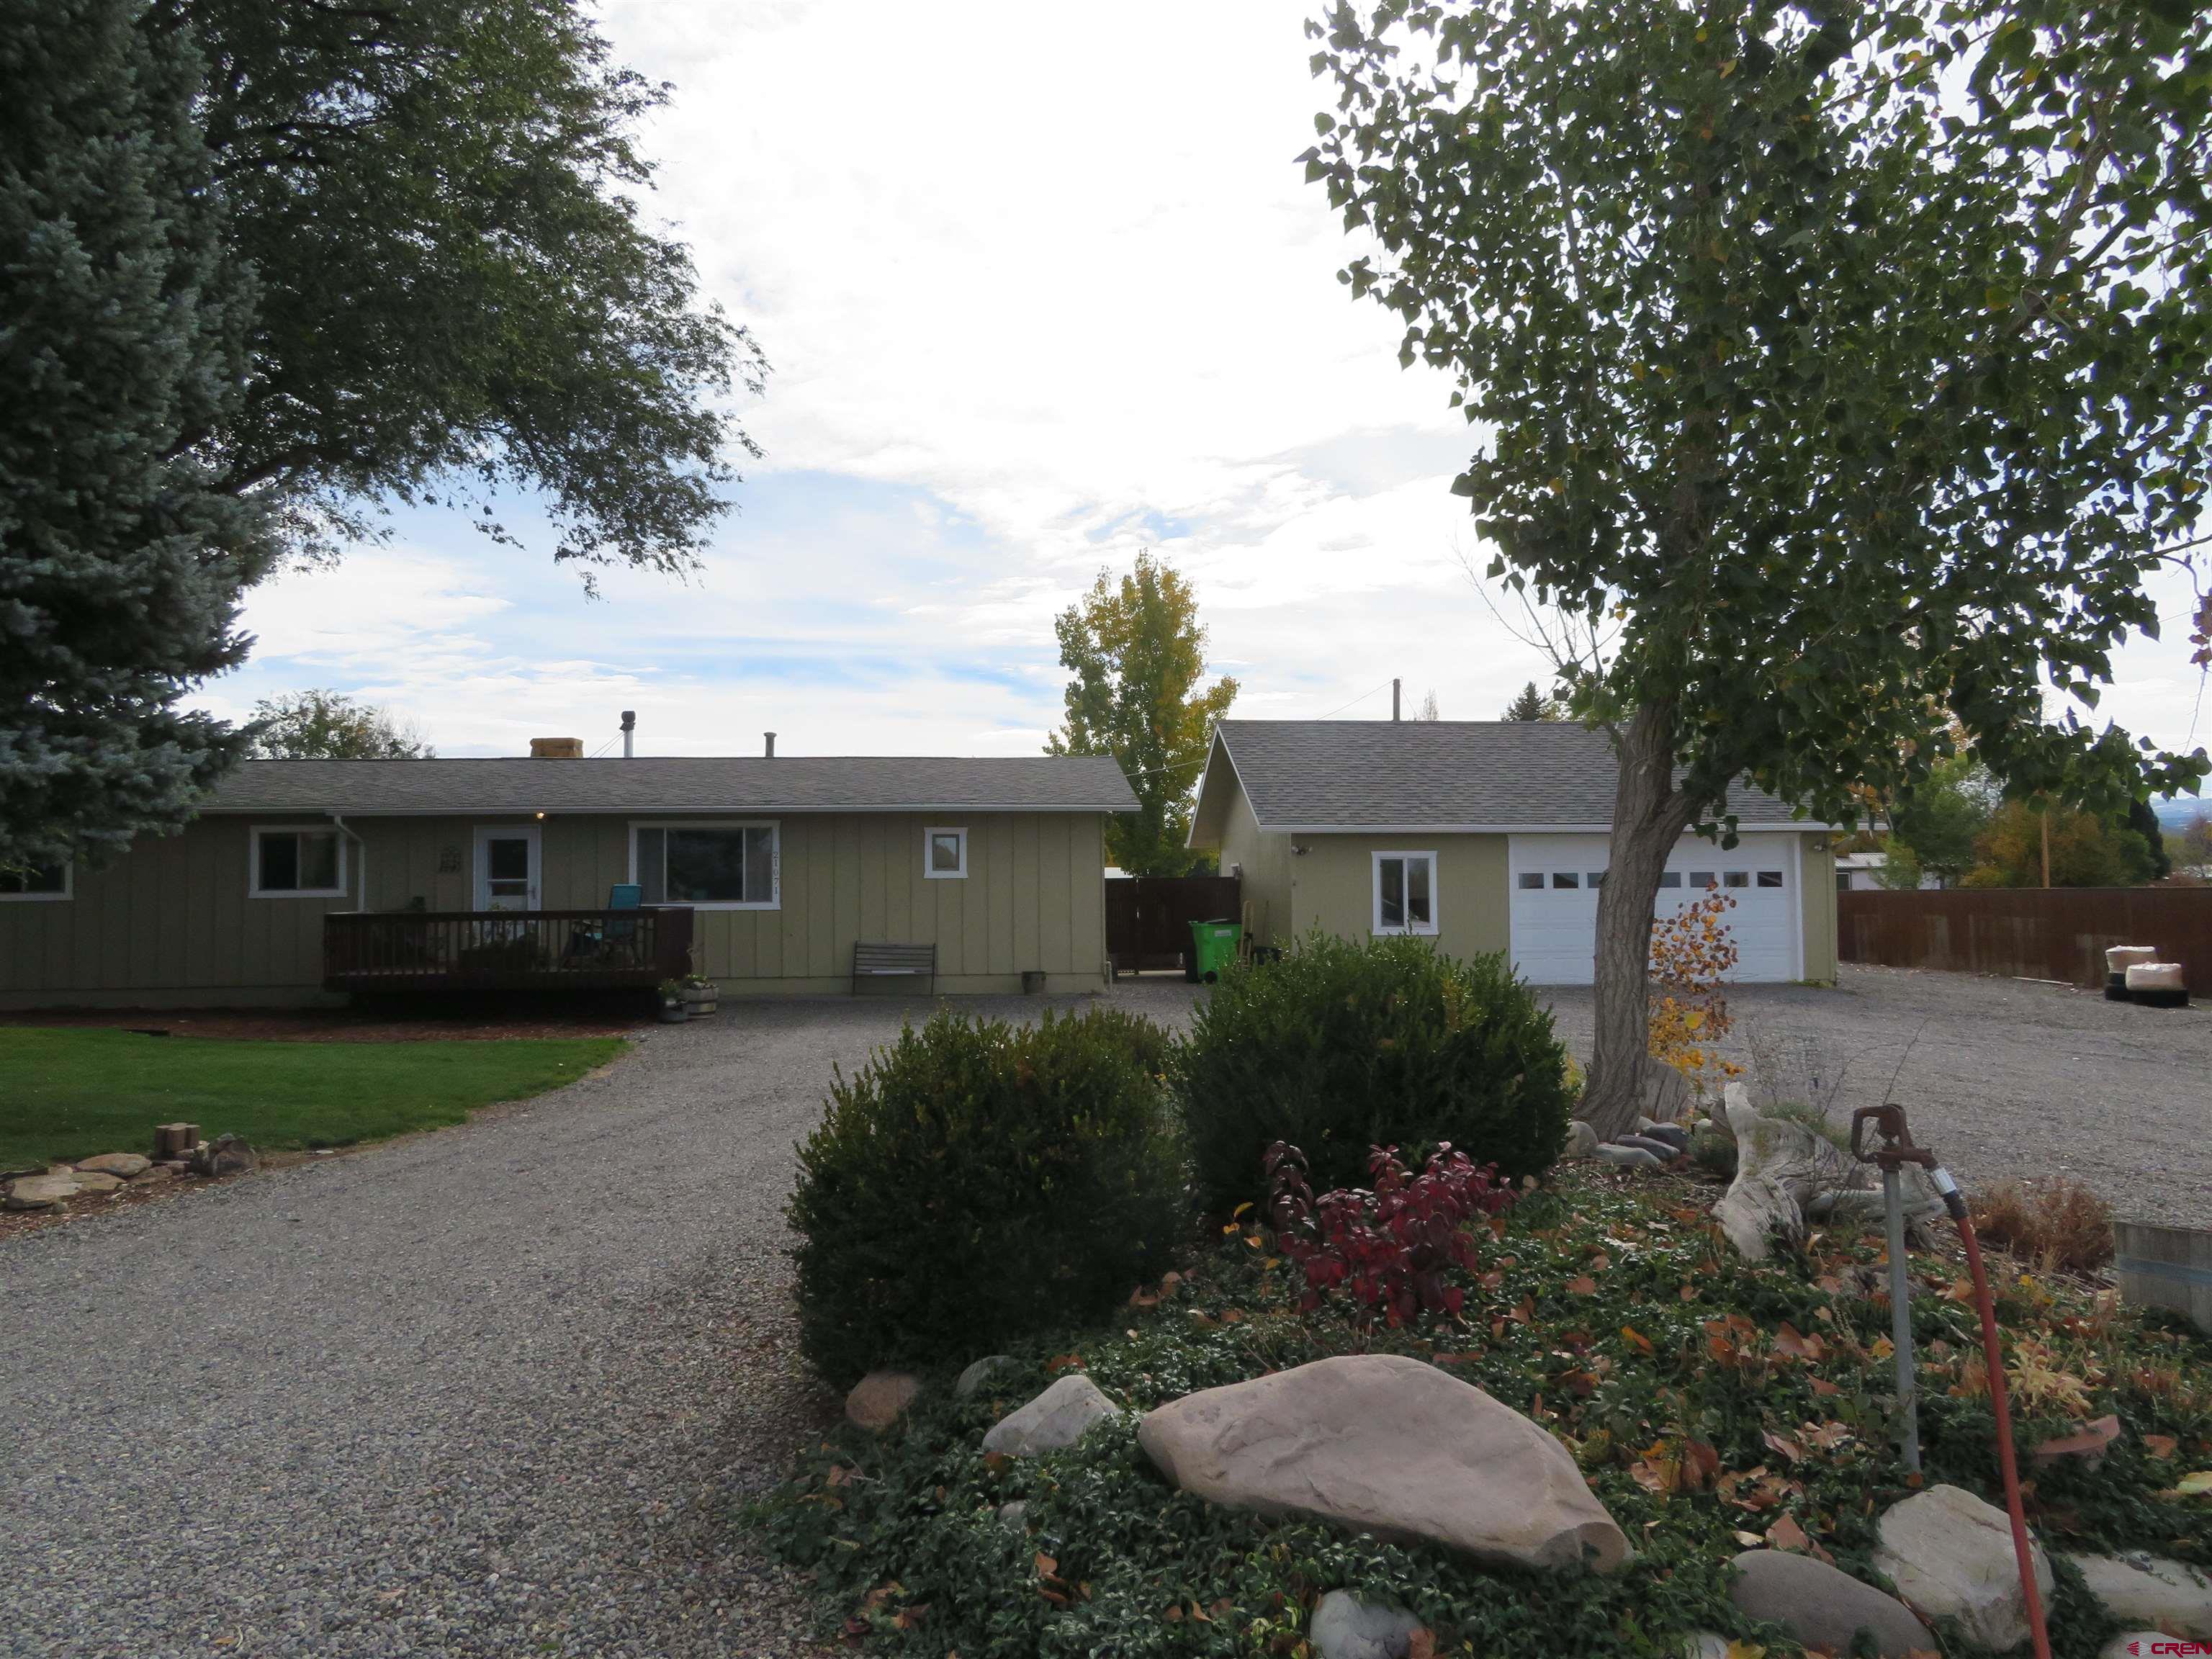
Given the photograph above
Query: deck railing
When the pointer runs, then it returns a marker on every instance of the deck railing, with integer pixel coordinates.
(504, 950)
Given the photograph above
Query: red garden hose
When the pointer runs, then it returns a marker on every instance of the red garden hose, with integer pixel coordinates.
(2001, 1405)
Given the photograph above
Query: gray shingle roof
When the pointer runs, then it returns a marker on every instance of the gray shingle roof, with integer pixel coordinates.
(1438, 775)
(795, 783)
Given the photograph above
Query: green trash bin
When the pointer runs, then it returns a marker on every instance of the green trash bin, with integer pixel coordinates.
(1212, 947)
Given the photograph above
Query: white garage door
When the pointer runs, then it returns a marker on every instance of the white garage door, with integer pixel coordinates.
(1555, 880)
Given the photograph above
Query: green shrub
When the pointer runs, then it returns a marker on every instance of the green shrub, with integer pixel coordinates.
(1343, 1046)
(978, 1180)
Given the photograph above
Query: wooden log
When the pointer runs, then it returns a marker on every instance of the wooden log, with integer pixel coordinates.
(1788, 1174)
(2166, 1267)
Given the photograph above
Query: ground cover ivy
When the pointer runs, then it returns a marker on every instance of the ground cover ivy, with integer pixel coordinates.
(1713, 1405)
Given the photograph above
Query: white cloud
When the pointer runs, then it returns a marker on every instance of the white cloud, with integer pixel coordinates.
(1042, 285)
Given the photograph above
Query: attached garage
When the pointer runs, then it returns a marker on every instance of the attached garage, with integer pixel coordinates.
(1485, 836)
(1556, 878)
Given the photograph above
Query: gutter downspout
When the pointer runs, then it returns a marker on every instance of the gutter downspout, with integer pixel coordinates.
(354, 835)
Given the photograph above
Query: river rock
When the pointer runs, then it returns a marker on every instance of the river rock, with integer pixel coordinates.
(43, 1192)
(1392, 1446)
(1950, 1556)
(1346, 1627)
(2148, 1590)
(880, 1399)
(1059, 1417)
(92, 1182)
(1665, 1150)
(121, 1165)
(1823, 1605)
(1628, 1158)
(224, 1155)
(1676, 1135)
(977, 1376)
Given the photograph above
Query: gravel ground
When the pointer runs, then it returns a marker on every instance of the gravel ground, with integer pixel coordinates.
(496, 1390)
(489, 1390)
(2004, 1077)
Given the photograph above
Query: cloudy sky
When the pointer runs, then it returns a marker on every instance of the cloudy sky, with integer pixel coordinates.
(1041, 286)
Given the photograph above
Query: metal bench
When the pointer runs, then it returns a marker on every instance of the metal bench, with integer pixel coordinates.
(878, 961)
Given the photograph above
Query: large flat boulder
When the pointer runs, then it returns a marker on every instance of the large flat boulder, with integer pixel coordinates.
(1823, 1605)
(46, 1191)
(1950, 1556)
(1391, 1446)
(2147, 1589)
(122, 1165)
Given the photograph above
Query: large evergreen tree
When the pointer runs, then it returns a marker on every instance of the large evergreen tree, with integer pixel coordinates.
(122, 324)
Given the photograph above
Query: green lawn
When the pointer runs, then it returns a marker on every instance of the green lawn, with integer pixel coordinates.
(70, 1093)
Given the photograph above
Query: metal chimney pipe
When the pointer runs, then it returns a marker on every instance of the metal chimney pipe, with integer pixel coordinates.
(1393, 699)
(770, 751)
(630, 728)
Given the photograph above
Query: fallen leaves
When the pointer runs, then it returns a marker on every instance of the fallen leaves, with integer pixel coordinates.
(1670, 1465)
(2090, 1441)
(1581, 1284)
(1786, 1535)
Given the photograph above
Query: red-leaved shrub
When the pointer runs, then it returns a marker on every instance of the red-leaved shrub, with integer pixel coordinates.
(1387, 1248)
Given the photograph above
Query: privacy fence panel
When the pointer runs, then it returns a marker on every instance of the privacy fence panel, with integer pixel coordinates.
(1148, 918)
(2030, 932)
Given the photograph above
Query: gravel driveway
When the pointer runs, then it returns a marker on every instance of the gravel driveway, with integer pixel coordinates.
(491, 1390)
(2004, 1077)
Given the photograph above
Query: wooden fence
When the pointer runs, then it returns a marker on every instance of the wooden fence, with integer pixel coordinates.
(1148, 918)
(2029, 932)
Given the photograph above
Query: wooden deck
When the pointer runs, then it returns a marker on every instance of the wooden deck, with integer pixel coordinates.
(416, 951)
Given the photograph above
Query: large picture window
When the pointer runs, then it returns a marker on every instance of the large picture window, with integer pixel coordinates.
(729, 866)
(298, 862)
(1405, 892)
(42, 881)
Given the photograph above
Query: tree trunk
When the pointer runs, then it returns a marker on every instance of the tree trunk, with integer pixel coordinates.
(1648, 817)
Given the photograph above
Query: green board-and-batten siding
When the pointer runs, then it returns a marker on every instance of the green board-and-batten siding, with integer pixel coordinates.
(171, 923)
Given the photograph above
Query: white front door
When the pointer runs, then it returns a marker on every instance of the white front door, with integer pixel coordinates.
(1552, 903)
(507, 866)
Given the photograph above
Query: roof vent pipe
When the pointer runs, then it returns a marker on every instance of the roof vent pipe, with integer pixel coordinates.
(628, 729)
(770, 751)
(1393, 699)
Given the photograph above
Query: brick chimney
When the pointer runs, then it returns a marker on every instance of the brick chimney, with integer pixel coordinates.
(556, 749)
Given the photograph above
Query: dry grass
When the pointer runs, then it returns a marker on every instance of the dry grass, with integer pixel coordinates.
(2056, 1225)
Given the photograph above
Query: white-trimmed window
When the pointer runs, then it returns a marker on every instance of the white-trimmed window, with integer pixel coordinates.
(295, 861)
(729, 865)
(1405, 892)
(945, 854)
(41, 881)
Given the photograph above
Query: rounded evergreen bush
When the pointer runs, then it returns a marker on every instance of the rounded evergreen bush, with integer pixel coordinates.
(977, 1181)
(1343, 1046)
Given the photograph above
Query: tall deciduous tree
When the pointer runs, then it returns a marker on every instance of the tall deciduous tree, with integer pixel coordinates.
(1849, 364)
(331, 725)
(123, 322)
(1138, 654)
(459, 286)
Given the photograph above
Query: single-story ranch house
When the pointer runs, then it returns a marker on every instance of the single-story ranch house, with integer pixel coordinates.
(302, 878)
(1485, 835)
